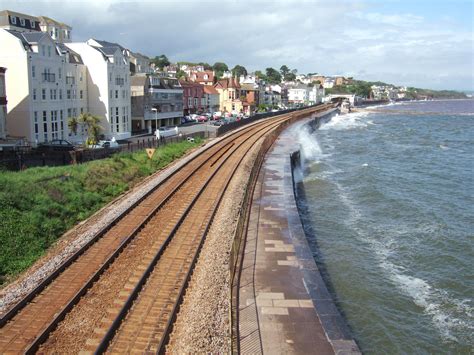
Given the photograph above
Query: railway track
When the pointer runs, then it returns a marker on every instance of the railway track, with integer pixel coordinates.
(142, 263)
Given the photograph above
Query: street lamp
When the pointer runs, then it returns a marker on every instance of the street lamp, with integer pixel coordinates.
(156, 117)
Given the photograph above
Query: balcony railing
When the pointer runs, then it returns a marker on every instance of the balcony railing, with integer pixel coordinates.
(48, 77)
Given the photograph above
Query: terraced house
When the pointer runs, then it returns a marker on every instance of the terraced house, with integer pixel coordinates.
(156, 102)
(108, 85)
(47, 84)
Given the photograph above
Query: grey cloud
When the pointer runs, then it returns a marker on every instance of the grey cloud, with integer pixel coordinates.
(329, 37)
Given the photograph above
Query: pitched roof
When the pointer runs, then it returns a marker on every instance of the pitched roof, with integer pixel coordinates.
(74, 57)
(33, 37)
(200, 76)
(228, 83)
(208, 89)
(48, 20)
(106, 44)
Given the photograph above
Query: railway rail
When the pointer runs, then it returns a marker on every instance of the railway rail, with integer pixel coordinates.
(147, 255)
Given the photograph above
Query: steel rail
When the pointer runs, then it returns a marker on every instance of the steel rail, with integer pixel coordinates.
(108, 337)
(64, 265)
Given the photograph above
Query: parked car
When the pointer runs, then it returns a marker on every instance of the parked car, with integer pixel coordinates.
(218, 123)
(168, 131)
(105, 144)
(56, 145)
(202, 118)
(216, 115)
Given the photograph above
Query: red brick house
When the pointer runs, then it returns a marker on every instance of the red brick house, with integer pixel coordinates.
(193, 95)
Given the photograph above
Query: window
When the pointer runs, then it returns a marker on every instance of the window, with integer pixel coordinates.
(45, 126)
(36, 125)
(80, 77)
(111, 93)
(43, 94)
(61, 122)
(117, 119)
(123, 94)
(51, 94)
(33, 71)
(80, 94)
(33, 24)
(54, 124)
(43, 50)
(68, 94)
(34, 94)
(22, 21)
(13, 18)
(116, 94)
(60, 94)
(59, 73)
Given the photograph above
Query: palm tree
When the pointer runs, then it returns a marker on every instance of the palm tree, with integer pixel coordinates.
(90, 122)
(72, 124)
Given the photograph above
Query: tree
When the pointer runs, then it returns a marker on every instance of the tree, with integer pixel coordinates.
(161, 61)
(91, 124)
(290, 77)
(220, 68)
(206, 66)
(284, 70)
(239, 70)
(273, 76)
(181, 74)
(260, 75)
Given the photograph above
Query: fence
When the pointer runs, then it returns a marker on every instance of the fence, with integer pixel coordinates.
(233, 125)
(22, 159)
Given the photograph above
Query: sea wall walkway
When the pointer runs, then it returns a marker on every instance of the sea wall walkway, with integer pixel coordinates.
(284, 305)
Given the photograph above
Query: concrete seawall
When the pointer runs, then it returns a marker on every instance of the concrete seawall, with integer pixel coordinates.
(284, 304)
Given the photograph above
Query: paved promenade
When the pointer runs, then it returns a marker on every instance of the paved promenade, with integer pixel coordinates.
(284, 306)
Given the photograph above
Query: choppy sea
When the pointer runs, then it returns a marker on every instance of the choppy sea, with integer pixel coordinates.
(389, 211)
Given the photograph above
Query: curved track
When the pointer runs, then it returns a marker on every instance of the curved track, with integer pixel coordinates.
(147, 256)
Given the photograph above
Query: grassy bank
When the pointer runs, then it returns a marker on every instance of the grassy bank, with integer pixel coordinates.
(40, 204)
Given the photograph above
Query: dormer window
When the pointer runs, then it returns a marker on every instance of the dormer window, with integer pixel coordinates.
(13, 19)
(33, 24)
(22, 21)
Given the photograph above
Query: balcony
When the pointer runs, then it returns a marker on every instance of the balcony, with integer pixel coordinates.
(48, 77)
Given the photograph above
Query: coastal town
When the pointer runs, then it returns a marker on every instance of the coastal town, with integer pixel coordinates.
(47, 81)
(284, 177)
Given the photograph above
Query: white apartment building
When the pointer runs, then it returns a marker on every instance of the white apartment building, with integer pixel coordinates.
(298, 94)
(316, 94)
(47, 84)
(59, 32)
(10, 20)
(108, 83)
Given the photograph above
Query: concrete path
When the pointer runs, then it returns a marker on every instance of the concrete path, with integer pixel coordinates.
(284, 305)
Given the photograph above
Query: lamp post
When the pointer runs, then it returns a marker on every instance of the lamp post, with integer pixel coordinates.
(156, 117)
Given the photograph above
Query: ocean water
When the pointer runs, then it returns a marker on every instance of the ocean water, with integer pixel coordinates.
(390, 208)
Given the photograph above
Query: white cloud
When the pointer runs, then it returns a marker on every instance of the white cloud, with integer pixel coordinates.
(348, 37)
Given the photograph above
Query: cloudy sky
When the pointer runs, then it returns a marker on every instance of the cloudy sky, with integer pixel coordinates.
(423, 43)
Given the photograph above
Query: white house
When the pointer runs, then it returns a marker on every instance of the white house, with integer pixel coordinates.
(298, 94)
(316, 94)
(47, 83)
(108, 83)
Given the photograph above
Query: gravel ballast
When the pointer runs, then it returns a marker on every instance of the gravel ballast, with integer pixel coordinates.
(203, 324)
